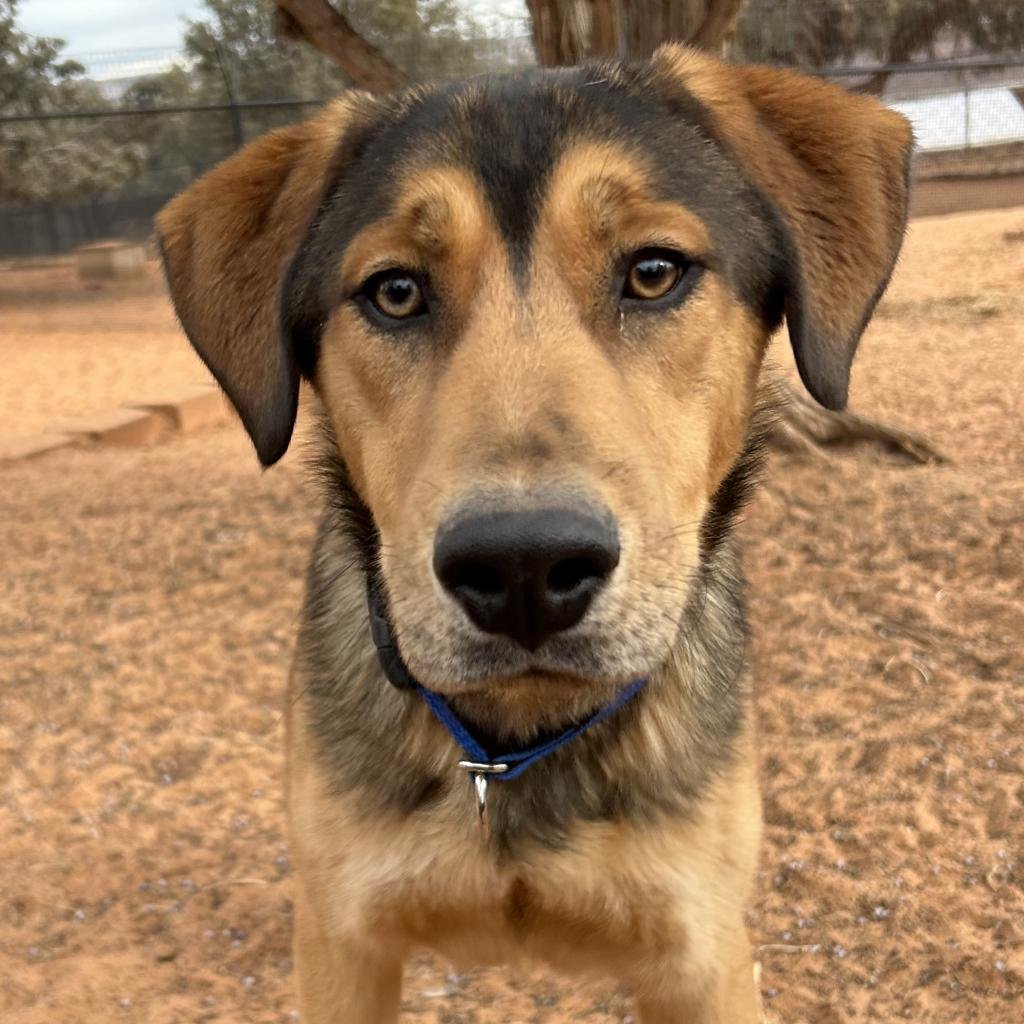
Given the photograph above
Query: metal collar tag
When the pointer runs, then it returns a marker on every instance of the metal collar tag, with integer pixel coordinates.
(478, 773)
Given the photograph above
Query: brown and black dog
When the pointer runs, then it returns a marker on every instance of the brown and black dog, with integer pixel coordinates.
(534, 309)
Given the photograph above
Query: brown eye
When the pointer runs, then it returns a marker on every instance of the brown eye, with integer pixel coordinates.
(652, 276)
(397, 295)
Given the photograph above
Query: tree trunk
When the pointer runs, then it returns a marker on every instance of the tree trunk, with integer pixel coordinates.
(568, 31)
(318, 23)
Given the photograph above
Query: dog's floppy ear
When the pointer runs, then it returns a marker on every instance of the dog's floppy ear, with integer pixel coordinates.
(835, 167)
(227, 242)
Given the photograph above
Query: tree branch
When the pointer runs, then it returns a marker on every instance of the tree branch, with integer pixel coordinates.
(804, 426)
(717, 26)
(316, 22)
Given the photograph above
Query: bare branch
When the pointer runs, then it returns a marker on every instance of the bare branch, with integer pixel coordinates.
(804, 426)
(319, 24)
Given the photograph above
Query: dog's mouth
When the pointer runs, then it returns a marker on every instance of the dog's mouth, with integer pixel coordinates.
(570, 666)
(552, 682)
(566, 666)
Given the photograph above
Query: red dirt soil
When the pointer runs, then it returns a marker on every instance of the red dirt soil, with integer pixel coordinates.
(70, 348)
(147, 612)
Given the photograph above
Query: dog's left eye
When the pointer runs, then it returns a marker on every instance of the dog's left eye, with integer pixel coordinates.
(655, 274)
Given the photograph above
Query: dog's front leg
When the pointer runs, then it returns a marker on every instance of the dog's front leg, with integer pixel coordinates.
(727, 995)
(342, 981)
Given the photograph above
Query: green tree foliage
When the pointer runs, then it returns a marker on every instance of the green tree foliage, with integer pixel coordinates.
(428, 39)
(812, 33)
(231, 52)
(57, 159)
(235, 41)
(234, 49)
(231, 49)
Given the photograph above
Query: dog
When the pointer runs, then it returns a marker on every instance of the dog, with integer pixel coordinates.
(533, 309)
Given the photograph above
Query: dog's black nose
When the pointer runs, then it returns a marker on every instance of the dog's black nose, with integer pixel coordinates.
(526, 575)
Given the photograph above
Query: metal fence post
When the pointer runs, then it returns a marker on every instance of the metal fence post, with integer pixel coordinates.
(967, 109)
(237, 129)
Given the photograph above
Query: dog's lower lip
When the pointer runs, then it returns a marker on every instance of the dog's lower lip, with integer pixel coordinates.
(542, 675)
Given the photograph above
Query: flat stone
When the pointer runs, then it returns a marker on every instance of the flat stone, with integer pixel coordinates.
(30, 445)
(193, 409)
(128, 427)
(111, 259)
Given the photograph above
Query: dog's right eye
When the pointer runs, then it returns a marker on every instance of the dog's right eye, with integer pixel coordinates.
(395, 295)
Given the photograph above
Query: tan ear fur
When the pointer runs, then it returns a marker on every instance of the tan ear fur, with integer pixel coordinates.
(227, 242)
(835, 165)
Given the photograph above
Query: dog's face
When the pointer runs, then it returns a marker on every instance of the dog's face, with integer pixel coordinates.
(535, 309)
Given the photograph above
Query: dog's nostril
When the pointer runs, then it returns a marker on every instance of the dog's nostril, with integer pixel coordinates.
(570, 574)
(481, 579)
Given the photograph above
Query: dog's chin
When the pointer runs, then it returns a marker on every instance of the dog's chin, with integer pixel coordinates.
(540, 682)
(576, 673)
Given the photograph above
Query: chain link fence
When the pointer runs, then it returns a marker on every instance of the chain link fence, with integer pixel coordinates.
(161, 117)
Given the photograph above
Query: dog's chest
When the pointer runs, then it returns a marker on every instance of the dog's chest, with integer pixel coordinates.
(578, 908)
(517, 917)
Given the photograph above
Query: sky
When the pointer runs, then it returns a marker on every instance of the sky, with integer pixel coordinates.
(103, 25)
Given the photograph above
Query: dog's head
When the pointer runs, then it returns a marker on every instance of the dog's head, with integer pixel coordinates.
(535, 308)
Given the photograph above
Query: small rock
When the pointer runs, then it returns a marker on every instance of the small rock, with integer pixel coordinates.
(997, 821)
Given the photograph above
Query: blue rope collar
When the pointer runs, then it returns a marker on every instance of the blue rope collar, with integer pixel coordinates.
(480, 764)
(510, 766)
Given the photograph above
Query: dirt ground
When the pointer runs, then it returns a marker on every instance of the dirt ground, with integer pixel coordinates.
(148, 602)
(70, 348)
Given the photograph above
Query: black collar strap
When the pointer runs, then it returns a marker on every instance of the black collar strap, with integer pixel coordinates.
(380, 629)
